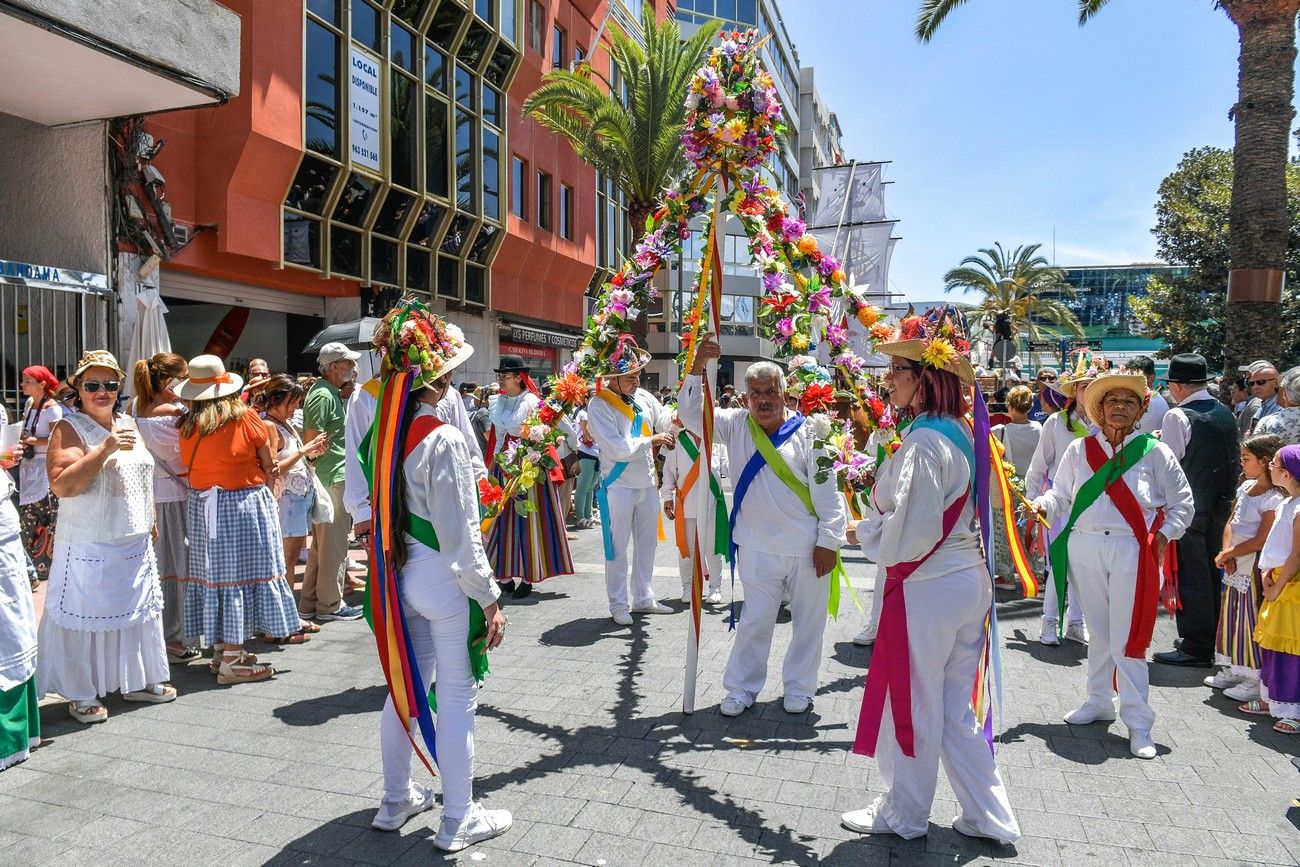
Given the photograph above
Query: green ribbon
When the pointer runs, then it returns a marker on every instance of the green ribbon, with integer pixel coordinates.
(1076, 427)
(721, 526)
(776, 463)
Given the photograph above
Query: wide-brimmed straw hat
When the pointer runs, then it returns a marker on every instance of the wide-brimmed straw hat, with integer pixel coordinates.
(1108, 382)
(208, 380)
(412, 337)
(937, 340)
(626, 358)
(95, 358)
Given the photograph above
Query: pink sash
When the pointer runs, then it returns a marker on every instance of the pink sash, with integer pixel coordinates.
(891, 671)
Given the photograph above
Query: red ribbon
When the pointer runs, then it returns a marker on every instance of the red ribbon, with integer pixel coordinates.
(891, 670)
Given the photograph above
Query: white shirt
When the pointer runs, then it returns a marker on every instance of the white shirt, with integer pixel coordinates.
(677, 464)
(773, 520)
(1157, 481)
(440, 488)
(1177, 430)
(1248, 512)
(1053, 442)
(1277, 547)
(1153, 418)
(1020, 442)
(618, 443)
(162, 438)
(913, 489)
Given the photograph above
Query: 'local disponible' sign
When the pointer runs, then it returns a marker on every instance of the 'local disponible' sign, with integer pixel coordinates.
(363, 94)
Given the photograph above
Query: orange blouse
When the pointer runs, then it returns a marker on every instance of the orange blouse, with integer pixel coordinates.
(228, 457)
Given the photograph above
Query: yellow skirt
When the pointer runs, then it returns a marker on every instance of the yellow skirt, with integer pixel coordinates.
(1278, 627)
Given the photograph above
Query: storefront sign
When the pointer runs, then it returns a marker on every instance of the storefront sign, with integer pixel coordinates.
(44, 276)
(525, 351)
(363, 96)
(538, 337)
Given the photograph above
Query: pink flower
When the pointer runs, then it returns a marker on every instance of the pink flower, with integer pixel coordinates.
(785, 327)
(820, 300)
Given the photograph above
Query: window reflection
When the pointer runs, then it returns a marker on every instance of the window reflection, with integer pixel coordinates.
(322, 87)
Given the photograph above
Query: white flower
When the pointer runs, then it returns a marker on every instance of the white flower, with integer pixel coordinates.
(819, 424)
(693, 101)
(537, 433)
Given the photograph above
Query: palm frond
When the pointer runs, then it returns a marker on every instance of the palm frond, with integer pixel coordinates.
(1089, 8)
(932, 14)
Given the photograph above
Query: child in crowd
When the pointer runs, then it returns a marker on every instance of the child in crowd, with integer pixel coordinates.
(1278, 632)
(1252, 519)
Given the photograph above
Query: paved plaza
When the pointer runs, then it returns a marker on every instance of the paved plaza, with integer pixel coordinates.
(581, 736)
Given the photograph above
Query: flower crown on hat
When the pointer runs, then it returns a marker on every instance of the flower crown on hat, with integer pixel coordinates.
(626, 357)
(944, 331)
(412, 337)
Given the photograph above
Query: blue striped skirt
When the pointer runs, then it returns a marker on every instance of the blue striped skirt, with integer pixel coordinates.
(532, 547)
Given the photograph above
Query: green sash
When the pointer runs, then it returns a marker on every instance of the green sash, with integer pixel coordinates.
(721, 534)
(1089, 492)
(1076, 427)
(776, 463)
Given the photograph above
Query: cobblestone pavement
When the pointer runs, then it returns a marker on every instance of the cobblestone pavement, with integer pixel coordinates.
(580, 734)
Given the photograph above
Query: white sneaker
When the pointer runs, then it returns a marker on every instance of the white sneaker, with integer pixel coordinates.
(968, 829)
(866, 637)
(1048, 636)
(1140, 744)
(390, 817)
(686, 595)
(1089, 713)
(1077, 632)
(1247, 690)
(714, 597)
(866, 821)
(653, 608)
(732, 706)
(478, 825)
(1222, 679)
(797, 703)
(622, 618)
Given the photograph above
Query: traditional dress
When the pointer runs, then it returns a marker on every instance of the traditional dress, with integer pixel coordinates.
(780, 513)
(1059, 431)
(1108, 549)
(1020, 442)
(533, 546)
(36, 502)
(20, 719)
(1278, 632)
(1235, 648)
(627, 495)
(102, 630)
(932, 638)
(171, 490)
(678, 487)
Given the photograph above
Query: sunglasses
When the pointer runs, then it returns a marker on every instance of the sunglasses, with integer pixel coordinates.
(1260, 381)
(93, 386)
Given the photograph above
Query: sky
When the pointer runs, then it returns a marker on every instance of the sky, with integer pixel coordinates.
(1014, 122)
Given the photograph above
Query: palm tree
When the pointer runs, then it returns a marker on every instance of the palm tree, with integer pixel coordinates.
(1022, 291)
(636, 140)
(1258, 224)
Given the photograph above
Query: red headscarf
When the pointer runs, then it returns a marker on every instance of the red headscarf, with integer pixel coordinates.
(43, 376)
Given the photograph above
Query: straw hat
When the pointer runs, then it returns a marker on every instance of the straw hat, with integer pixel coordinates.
(412, 337)
(626, 358)
(937, 340)
(208, 380)
(1108, 382)
(95, 358)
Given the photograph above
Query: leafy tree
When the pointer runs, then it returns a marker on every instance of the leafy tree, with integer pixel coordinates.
(1021, 291)
(1258, 224)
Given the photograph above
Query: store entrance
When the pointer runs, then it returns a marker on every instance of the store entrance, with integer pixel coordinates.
(278, 337)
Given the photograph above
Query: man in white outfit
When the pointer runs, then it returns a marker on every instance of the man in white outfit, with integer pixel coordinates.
(775, 538)
(1111, 566)
(679, 494)
(628, 496)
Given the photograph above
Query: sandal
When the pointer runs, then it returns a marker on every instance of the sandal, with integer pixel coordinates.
(87, 711)
(307, 626)
(154, 693)
(186, 655)
(299, 637)
(242, 668)
(1287, 727)
(1257, 707)
(215, 665)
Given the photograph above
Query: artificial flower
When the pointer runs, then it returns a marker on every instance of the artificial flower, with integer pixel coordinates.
(799, 342)
(489, 493)
(816, 397)
(939, 354)
(807, 244)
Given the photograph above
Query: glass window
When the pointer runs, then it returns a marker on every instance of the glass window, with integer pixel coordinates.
(579, 55)
(327, 10)
(457, 234)
(366, 27)
(345, 251)
(747, 12)
(448, 277)
(322, 90)
(544, 200)
(403, 134)
(355, 201)
(536, 21)
(475, 285)
(491, 175)
(558, 53)
(509, 23)
(311, 185)
(417, 269)
(464, 87)
(401, 47)
(483, 8)
(725, 9)
(383, 261)
(474, 47)
(442, 30)
(301, 240)
(407, 10)
(427, 224)
(464, 161)
(519, 188)
(392, 215)
(435, 68)
(499, 66)
(482, 246)
(566, 211)
(491, 106)
(436, 169)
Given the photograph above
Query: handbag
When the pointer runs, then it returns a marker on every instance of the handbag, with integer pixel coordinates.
(322, 511)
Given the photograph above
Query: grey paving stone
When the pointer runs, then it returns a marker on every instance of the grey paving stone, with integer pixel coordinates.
(552, 841)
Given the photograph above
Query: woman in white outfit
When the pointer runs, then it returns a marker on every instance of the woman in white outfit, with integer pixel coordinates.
(102, 631)
(20, 718)
(444, 576)
(937, 598)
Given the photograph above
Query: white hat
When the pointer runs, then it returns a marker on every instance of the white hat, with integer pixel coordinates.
(208, 379)
(332, 352)
(1256, 366)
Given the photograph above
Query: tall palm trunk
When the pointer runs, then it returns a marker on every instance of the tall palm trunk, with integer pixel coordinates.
(1258, 223)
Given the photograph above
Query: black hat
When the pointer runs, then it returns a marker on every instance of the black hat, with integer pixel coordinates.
(1188, 367)
(512, 364)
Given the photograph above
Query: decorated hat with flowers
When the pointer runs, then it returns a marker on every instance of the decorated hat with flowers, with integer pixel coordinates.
(936, 339)
(412, 337)
(626, 357)
(1087, 367)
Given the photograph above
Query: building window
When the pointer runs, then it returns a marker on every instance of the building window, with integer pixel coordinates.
(544, 200)
(519, 188)
(509, 21)
(322, 89)
(557, 47)
(566, 212)
(579, 55)
(491, 174)
(536, 21)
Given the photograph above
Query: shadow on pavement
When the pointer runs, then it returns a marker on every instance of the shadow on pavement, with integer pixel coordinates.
(323, 708)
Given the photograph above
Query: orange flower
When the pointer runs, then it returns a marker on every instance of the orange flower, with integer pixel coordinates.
(489, 493)
(881, 331)
(816, 397)
(868, 316)
(571, 389)
(807, 244)
(838, 275)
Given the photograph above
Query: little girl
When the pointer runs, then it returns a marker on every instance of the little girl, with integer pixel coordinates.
(1252, 518)
(1278, 632)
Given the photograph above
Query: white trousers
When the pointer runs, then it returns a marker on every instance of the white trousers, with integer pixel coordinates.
(1103, 569)
(877, 598)
(634, 522)
(763, 576)
(945, 624)
(1052, 602)
(437, 616)
(713, 564)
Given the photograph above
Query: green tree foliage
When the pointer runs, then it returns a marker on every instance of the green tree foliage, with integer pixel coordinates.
(1020, 288)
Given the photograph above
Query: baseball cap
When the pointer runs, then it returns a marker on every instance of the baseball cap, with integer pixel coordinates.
(332, 352)
(1256, 366)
